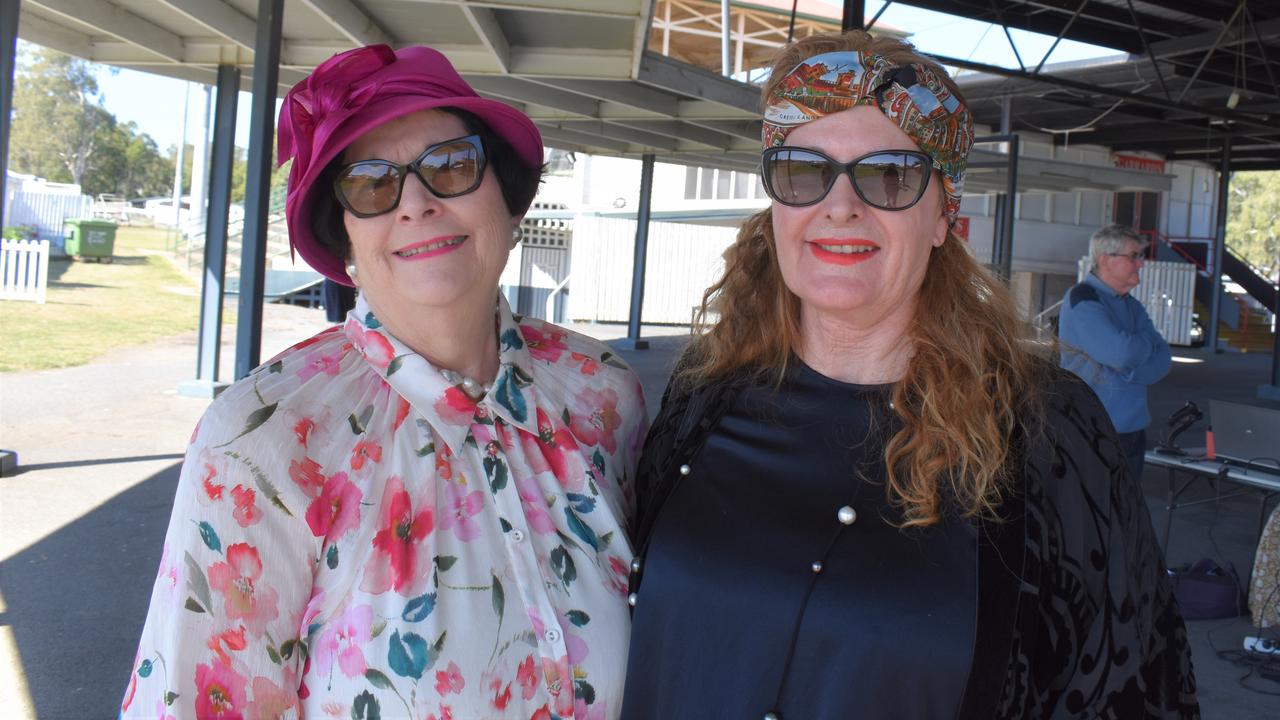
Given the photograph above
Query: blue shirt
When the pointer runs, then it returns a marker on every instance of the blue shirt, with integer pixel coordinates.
(1109, 341)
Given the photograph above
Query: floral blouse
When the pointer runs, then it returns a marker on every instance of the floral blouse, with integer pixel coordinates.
(355, 537)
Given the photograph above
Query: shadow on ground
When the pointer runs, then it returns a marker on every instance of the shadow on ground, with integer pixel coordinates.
(76, 600)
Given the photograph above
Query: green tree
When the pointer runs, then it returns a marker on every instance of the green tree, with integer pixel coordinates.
(57, 116)
(1253, 219)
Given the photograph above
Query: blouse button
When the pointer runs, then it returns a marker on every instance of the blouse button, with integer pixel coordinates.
(517, 536)
(684, 469)
(846, 515)
(552, 636)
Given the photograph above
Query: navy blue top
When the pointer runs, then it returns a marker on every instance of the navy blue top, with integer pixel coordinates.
(731, 619)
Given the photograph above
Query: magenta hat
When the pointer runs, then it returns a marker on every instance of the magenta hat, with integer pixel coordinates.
(353, 92)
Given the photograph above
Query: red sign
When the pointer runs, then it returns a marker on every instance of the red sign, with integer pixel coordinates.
(1135, 162)
(961, 228)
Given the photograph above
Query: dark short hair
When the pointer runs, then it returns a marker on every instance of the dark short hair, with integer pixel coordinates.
(518, 182)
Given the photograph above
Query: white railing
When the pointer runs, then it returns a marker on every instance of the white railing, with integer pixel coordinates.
(24, 270)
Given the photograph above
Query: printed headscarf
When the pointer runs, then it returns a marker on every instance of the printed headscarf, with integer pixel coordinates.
(912, 96)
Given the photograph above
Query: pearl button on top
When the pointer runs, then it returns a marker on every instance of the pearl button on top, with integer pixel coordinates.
(772, 716)
(846, 515)
(631, 599)
(635, 564)
(817, 566)
(552, 635)
(684, 469)
(517, 536)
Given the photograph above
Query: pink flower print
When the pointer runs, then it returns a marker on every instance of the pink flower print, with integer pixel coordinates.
(535, 505)
(621, 574)
(307, 475)
(302, 429)
(501, 693)
(342, 640)
(444, 466)
(372, 344)
(589, 366)
(455, 407)
(236, 580)
(337, 510)
(399, 559)
(541, 713)
(559, 684)
(169, 579)
(596, 418)
(211, 489)
(527, 677)
(581, 711)
(246, 513)
(219, 692)
(561, 453)
(271, 702)
(574, 646)
(460, 507)
(402, 412)
(449, 680)
(365, 450)
(133, 683)
(162, 712)
(232, 639)
(317, 362)
(545, 343)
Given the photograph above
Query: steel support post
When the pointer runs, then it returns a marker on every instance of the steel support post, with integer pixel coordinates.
(262, 116)
(633, 340)
(855, 13)
(222, 158)
(8, 65)
(1224, 188)
(1004, 256)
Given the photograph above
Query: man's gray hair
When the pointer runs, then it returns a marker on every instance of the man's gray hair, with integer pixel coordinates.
(1110, 239)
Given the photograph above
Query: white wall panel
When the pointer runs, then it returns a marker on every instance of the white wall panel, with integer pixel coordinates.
(682, 261)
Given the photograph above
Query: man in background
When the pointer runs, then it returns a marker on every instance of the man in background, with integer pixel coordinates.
(1108, 338)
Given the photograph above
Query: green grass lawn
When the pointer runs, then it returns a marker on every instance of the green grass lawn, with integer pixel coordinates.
(95, 307)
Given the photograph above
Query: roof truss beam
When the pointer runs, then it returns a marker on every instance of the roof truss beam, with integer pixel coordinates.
(220, 18)
(485, 23)
(351, 21)
(114, 20)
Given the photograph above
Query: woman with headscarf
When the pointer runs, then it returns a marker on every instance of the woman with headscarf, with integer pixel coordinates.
(422, 513)
(865, 496)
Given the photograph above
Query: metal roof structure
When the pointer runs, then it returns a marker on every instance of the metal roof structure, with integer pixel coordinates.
(1189, 74)
(593, 75)
(579, 68)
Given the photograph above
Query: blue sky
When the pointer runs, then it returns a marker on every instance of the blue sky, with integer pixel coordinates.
(155, 102)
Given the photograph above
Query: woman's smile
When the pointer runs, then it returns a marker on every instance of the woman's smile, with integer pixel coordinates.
(431, 248)
(841, 251)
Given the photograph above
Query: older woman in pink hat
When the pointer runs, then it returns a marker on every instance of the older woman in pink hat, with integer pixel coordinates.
(422, 513)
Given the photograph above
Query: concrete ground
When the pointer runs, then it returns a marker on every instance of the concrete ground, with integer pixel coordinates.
(82, 522)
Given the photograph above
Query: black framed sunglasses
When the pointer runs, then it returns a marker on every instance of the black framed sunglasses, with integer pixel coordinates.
(885, 179)
(448, 169)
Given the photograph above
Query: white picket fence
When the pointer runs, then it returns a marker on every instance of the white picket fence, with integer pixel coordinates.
(24, 270)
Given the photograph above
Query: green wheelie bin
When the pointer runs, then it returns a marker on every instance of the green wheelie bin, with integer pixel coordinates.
(90, 239)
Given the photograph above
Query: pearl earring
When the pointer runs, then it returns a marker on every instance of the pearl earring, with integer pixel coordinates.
(351, 271)
(516, 235)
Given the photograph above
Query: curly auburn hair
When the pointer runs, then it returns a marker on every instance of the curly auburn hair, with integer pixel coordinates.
(953, 451)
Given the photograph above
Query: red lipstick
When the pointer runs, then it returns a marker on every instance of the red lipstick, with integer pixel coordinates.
(858, 250)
